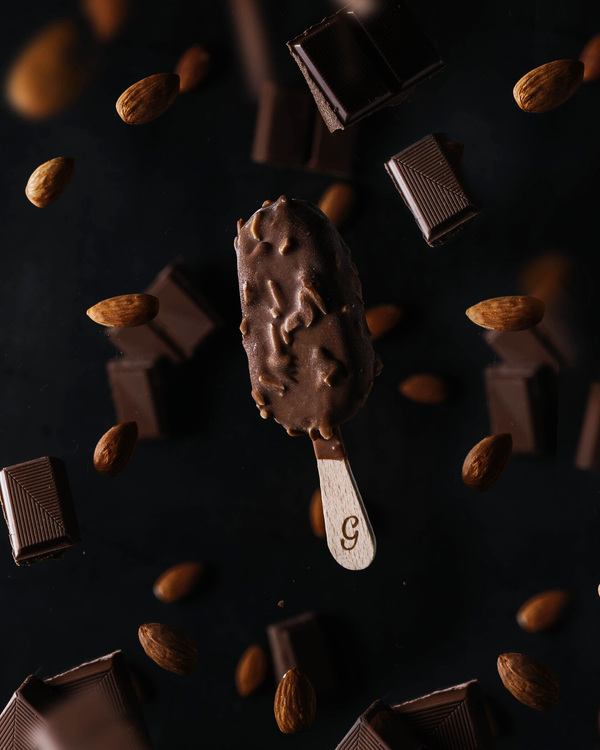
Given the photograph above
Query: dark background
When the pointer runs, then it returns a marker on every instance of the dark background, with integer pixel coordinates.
(438, 604)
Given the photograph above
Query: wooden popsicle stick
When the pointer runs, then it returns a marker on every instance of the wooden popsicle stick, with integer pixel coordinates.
(350, 537)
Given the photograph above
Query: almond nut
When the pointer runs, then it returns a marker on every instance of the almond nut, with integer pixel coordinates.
(337, 203)
(543, 610)
(548, 86)
(125, 311)
(169, 647)
(382, 319)
(148, 99)
(546, 277)
(507, 313)
(107, 17)
(179, 582)
(295, 703)
(251, 671)
(486, 461)
(115, 449)
(192, 68)
(529, 680)
(424, 389)
(49, 181)
(315, 514)
(590, 57)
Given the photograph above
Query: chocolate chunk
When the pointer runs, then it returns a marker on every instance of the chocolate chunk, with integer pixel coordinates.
(253, 44)
(39, 510)
(22, 721)
(430, 187)
(137, 388)
(290, 133)
(362, 59)
(183, 322)
(452, 719)
(309, 349)
(108, 682)
(522, 400)
(588, 448)
(380, 728)
(299, 642)
(523, 347)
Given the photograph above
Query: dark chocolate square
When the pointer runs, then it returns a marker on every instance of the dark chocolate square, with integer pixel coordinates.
(380, 728)
(427, 181)
(331, 153)
(588, 448)
(523, 347)
(38, 508)
(143, 342)
(452, 719)
(137, 388)
(23, 720)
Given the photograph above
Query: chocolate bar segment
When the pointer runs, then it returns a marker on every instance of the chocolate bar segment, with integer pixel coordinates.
(137, 388)
(380, 728)
(38, 508)
(452, 719)
(362, 59)
(429, 185)
(299, 642)
(588, 448)
(23, 720)
(523, 347)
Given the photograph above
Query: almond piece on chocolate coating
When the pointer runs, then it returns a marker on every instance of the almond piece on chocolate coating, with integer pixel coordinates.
(530, 681)
(295, 703)
(49, 181)
(125, 311)
(170, 648)
(516, 313)
(115, 449)
(148, 99)
(251, 670)
(548, 86)
(486, 461)
(179, 582)
(543, 610)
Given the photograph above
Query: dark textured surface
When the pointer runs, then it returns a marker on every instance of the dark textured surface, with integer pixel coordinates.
(437, 606)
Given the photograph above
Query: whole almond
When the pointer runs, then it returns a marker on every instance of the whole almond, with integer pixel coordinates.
(49, 181)
(424, 388)
(125, 311)
(315, 514)
(115, 449)
(486, 461)
(179, 581)
(193, 67)
(548, 86)
(337, 203)
(251, 670)
(456, 151)
(148, 99)
(49, 73)
(507, 313)
(107, 17)
(295, 703)
(169, 647)
(530, 681)
(382, 319)
(543, 610)
(590, 57)
(547, 276)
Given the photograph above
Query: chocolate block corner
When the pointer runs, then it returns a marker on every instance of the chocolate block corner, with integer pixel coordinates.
(138, 392)
(23, 717)
(380, 728)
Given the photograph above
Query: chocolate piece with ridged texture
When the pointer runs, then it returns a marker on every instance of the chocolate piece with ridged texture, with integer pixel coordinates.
(429, 185)
(39, 511)
(380, 728)
(452, 719)
(360, 60)
(108, 680)
(23, 718)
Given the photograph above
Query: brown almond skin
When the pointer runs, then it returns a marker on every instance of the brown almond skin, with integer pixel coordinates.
(107, 17)
(148, 99)
(530, 681)
(251, 671)
(337, 203)
(382, 319)
(316, 515)
(49, 72)
(192, 68)
(49, 181)
(170, 648)
(543, 610)
(424, 388)
(514, 313)
(295, 703)
(125, 311)
(590, 57)
(115, 449)
(548, 86)
(179, 582)
(547, 276)
(486, 461)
